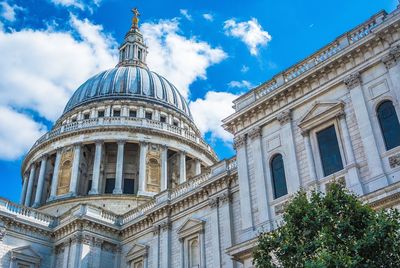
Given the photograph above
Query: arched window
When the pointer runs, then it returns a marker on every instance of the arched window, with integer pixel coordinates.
(194, 260)
(278, 176)
(389, 124)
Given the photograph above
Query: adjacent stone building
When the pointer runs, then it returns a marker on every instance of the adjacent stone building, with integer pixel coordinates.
(124, 178)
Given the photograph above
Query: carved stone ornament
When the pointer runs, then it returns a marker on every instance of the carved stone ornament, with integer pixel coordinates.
(395, 52)
(239, 141)
(353, 80)
(2, 233)
(225, 198)
(255, 133)
(389, 61)
(284, 117)
(394, 161)
(213, 202)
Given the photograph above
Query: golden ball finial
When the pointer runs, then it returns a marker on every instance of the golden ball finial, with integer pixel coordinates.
(135, 20)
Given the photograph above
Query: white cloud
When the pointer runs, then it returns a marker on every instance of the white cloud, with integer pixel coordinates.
(240, 84)
(180, 59)
(18, 132)
(80, 4)
(8, 12)
(208, 16)
(250, 32)
(185, 13)
(244, 69)
(40, 69)
(209, 112)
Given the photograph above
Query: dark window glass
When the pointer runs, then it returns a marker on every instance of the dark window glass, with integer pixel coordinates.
(73, 119)
(163, 119)
(132, 113)
(278, 176)
(110, 185)
(329, 151)
(86, 116)
(389, 124)
(176, 123)
(139, 54)
(100, 114)
(116, 113)
(89, 186)
(148, 115)
(128, 186)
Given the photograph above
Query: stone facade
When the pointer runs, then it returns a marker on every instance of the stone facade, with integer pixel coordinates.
(187, 210)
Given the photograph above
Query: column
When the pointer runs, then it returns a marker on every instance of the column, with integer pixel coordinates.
(96, 168)
(54, 180)
(24, 188)
(165, 244)
(75, 170)
(391, 63)
(164, 168)
(197, 167)
(215, 231)
(119, 168)
(182, 167)
(352, 179)
(96, 252)
(262, 196)
(75, 251)
(243, 174)
(39, 188)
(30, 186)
(225, 211)
(310, 157)
(67, 248)
(285, 119)
(156, 246)
(353, 83)
(142, 168)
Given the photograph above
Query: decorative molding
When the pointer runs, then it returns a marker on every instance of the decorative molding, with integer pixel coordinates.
(284, 117)
(225, 198)
(394, 161)
(137, 251)
(190, 227)
(320, 113)
(239, 141)
(353, 80)
(389, 61)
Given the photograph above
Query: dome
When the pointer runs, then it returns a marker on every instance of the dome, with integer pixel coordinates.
(129, 82)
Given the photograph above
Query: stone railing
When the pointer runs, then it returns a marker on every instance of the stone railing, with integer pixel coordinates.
(188, 186)
(313, 61)
(137, 212)
(124, 121)
(27, 213)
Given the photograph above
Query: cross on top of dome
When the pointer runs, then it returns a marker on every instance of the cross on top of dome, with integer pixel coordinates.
(133, 51)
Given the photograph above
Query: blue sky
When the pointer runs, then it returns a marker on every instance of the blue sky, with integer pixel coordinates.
(211, 50)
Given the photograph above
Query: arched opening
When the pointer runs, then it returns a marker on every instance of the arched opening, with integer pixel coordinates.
(389, 124)
(278, 176)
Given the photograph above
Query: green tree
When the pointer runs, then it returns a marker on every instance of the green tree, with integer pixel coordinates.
(331, 230)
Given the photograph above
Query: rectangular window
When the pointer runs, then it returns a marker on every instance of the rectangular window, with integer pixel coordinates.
(110, 185)
(100, 113)
(163, 119)
(129, 186)
(132, 113)
(117, 113)
(329, 151)
(86, 116)
(149, 115)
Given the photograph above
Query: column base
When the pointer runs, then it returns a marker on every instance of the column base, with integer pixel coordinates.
(35, 205)
(117, 191)
(91, 192)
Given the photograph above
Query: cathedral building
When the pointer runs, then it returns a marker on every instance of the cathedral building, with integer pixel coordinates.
(124, 178)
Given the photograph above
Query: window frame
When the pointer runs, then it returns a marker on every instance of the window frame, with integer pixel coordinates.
(382, 135)
(273, 156)
(315, 147)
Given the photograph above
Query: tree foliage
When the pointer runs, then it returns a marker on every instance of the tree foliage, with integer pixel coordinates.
(331, 230)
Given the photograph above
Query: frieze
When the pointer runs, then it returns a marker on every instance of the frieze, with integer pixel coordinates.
(394, 161)
(213, 202)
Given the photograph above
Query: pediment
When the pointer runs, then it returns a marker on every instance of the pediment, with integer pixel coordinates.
(138, 250)
(320, 112)
(26, 253)
(190, 226)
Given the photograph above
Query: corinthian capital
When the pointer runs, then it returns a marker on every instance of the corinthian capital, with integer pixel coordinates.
(255, 133)
(239, 141)
(284, 117)
(353, 80)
